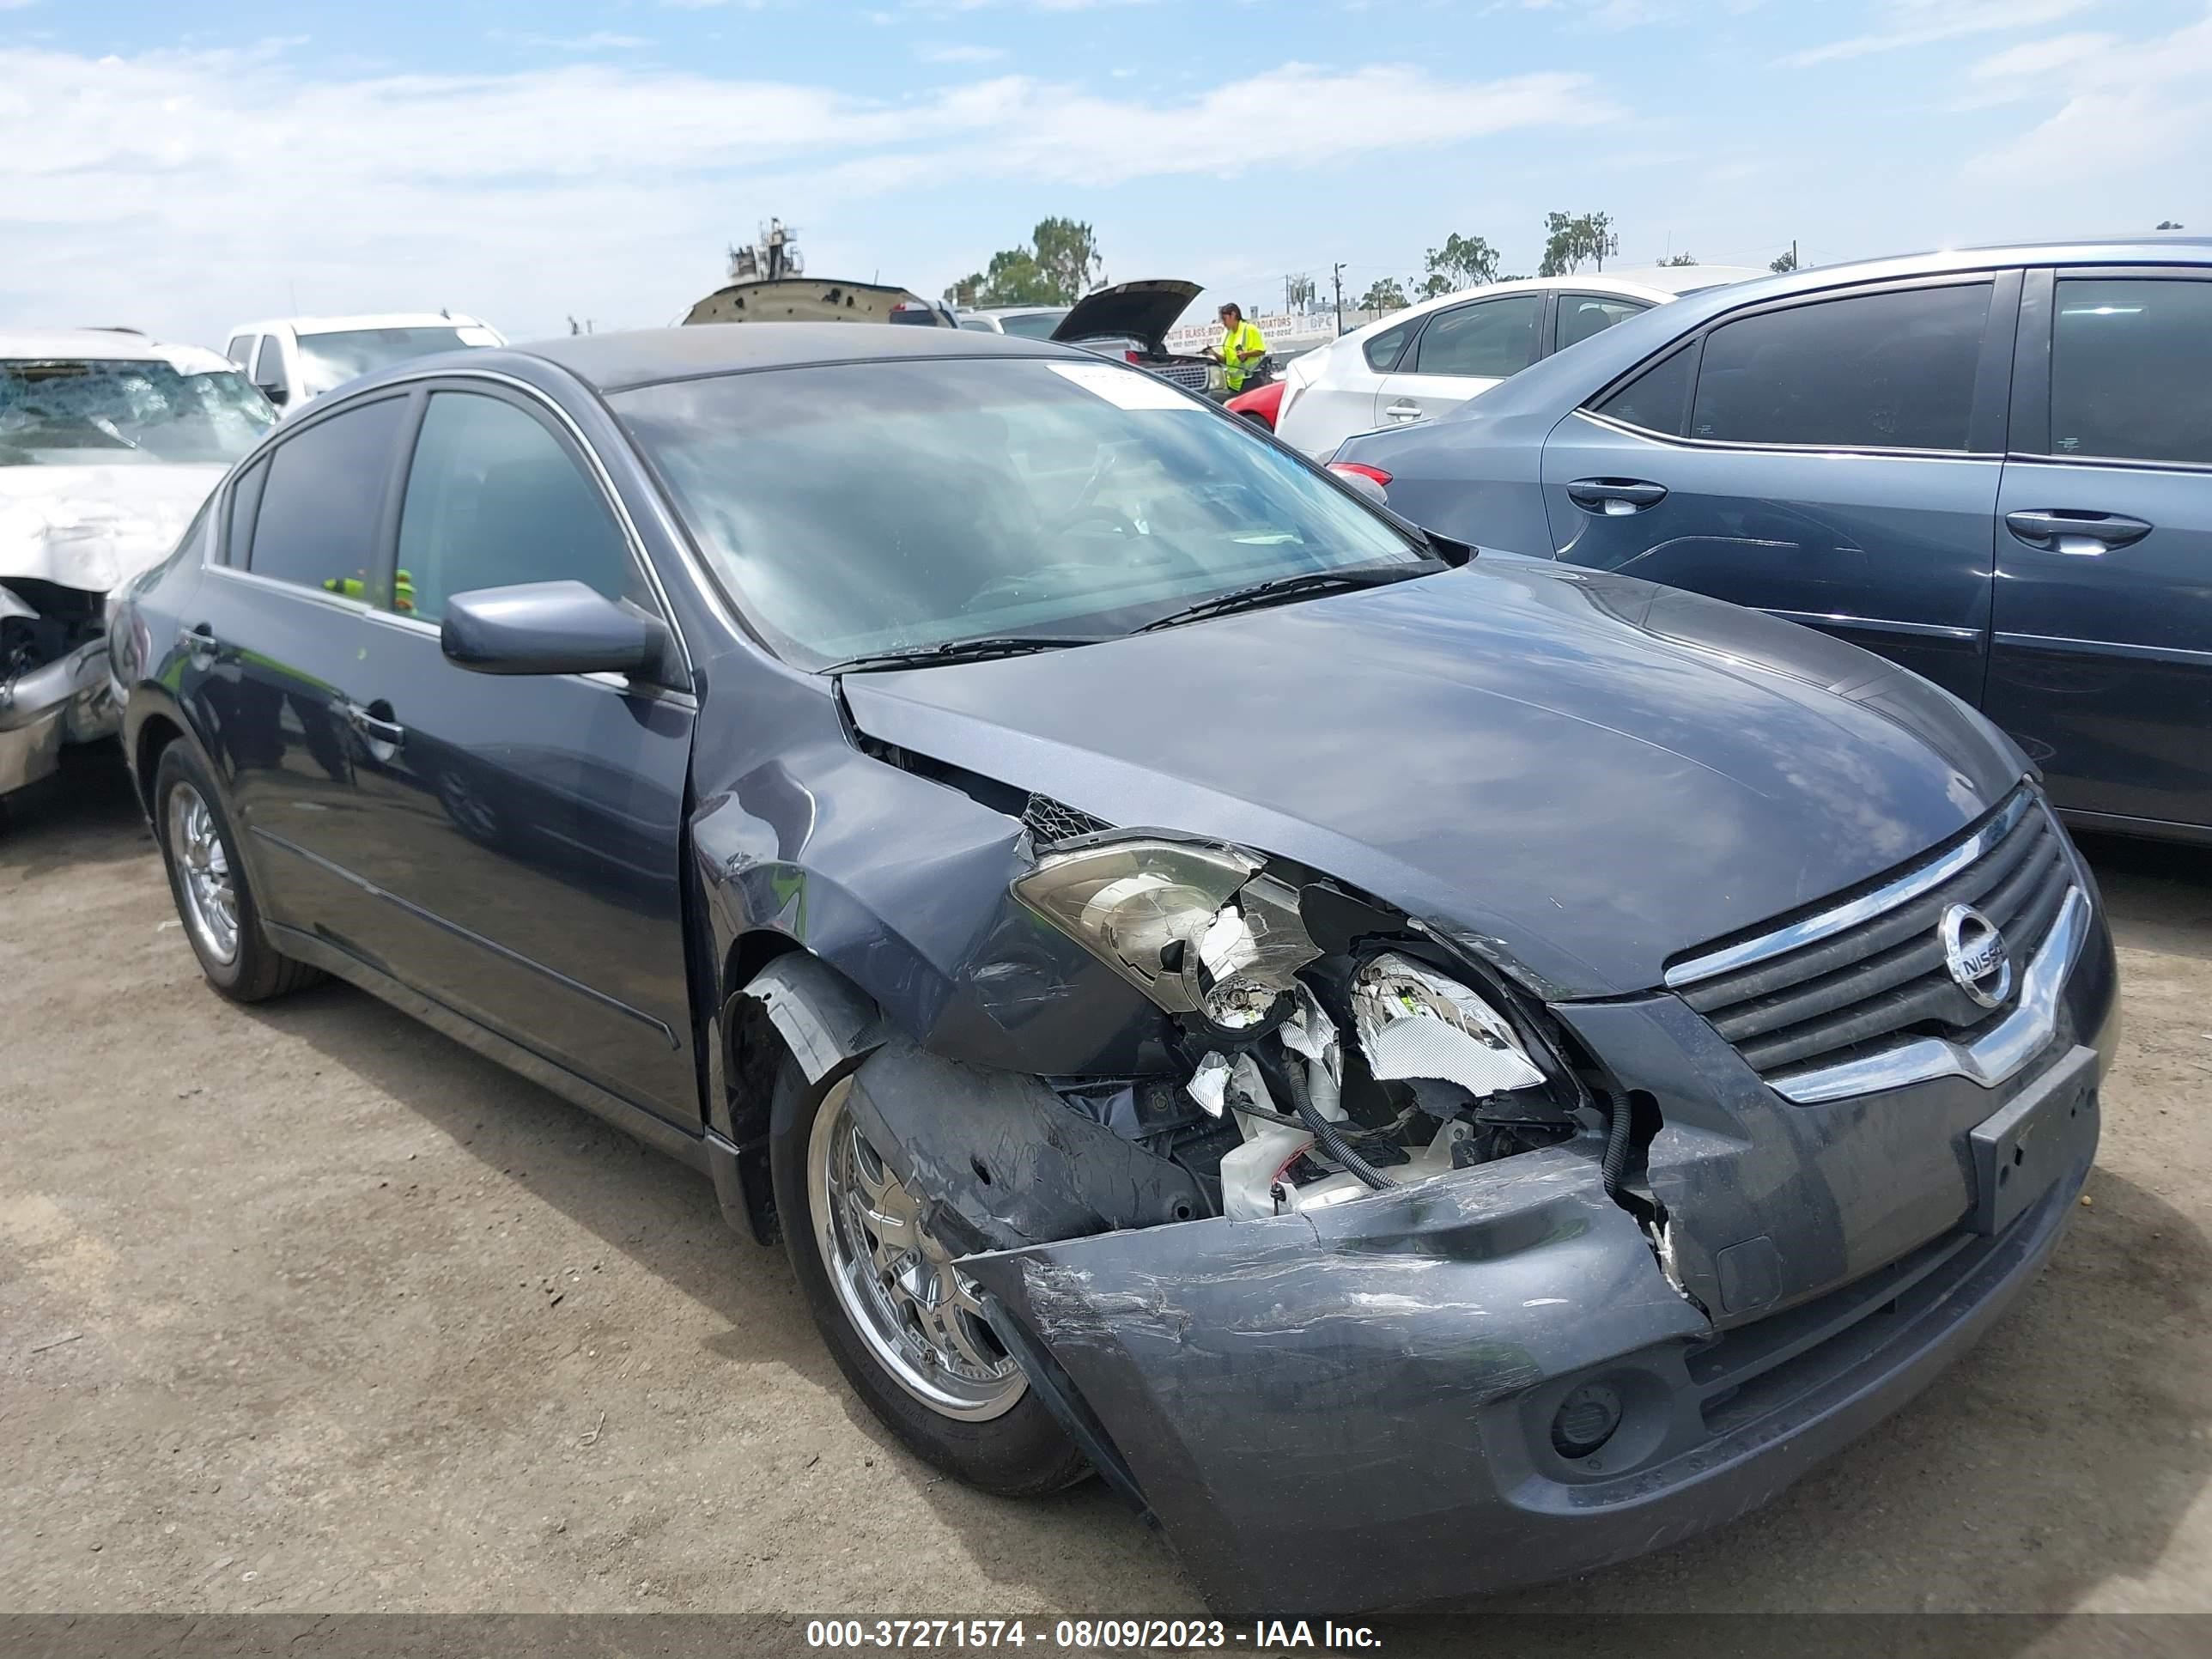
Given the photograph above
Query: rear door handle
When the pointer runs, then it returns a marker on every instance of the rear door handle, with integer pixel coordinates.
(199, 640)
(1402, 410)
(374, 727)
(2082, 534)
(1615, 496)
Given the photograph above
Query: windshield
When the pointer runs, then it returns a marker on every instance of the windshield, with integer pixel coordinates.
(330, 360)
(78, 412)
(859, 508)
(1034, 324)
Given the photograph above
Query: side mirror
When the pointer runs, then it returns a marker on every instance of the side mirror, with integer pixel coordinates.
(274, 392)
(549, 627)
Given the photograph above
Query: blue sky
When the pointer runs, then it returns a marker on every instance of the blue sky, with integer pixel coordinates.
(182, 168)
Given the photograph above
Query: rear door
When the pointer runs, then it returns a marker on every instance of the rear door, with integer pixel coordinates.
(1341, 400)
(2102, 661)
(1465, 349)
(1833, 461)
(527, 828)
(274, 682)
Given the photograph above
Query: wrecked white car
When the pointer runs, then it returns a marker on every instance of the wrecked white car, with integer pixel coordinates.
(108, 445)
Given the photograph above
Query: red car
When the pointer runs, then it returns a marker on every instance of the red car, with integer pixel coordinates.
(1260, 403)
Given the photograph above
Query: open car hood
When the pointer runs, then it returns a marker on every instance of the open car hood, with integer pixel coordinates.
(1144, 311)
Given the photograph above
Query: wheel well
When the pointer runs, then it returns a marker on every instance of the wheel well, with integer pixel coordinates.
(158, 733)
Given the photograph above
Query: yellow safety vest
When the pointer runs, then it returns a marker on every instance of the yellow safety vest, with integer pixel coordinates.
(1241, 345)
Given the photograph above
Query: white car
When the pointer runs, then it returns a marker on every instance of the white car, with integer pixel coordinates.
(1415, 364)
(1028, 322)
(109, 443)
(295, 359)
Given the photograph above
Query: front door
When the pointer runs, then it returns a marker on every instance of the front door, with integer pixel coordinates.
(1464, 351)
(2102, 663)
(1834, 462)
(529, 827)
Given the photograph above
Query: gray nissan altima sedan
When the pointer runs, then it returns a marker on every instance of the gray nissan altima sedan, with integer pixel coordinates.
(1425, 1069)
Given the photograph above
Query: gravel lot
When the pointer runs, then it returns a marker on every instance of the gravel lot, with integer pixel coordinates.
(308, 1308)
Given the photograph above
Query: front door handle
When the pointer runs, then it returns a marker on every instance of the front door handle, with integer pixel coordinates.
(374, 724)
(1402, 410)
(1615, 497)
(2082, 534)
(198, 640)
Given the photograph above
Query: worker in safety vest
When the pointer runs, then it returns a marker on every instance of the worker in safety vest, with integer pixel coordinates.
(353, 587)
(1242, 346)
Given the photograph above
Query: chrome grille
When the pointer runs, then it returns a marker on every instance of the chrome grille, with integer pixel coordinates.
(1191, 377)
(1814, 1005)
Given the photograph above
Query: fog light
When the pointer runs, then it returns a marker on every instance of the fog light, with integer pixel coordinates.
(1586, 1421)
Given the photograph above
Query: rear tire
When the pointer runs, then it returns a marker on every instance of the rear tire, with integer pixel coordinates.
(207, 881)
(984, 1424)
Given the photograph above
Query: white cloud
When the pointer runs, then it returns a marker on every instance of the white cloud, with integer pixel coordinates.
(2117, 105)
(960, 54)
(1924, 23)
(181, 190)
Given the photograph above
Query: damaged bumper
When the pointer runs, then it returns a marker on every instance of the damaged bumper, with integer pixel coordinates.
(68, 700)
(1361, 1407)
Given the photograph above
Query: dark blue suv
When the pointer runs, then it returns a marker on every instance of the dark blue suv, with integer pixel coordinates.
(1993, 466)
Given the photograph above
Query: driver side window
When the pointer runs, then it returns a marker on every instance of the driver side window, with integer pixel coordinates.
(494, 500)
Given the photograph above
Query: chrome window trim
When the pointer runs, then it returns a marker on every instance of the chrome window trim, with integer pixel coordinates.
(278, 585)
(1993, 1059)
(1742, 446)
(1831, 922)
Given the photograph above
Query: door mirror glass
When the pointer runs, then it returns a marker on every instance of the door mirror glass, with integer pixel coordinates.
(549, 628)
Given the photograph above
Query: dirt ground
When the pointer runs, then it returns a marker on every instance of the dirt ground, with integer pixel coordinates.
(309, 1308)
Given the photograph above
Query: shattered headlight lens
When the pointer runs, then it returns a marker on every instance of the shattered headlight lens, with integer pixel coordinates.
(1198, 929)
(1414, 1022)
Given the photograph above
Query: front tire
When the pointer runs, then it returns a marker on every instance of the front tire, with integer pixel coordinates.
(897, 1316)
(206, 879)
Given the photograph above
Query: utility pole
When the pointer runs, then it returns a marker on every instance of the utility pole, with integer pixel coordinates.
(1337, 277)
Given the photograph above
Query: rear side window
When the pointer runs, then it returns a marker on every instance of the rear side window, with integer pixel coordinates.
(1581, 315)
(323, 498)
(1383, 351)
(2131, 369)
(1658, 399)
(245, 502)
(494, 499)
(1490, 339)
(1879, 371)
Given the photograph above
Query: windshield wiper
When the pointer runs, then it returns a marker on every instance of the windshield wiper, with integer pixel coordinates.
(981, 649)
(1290, 587)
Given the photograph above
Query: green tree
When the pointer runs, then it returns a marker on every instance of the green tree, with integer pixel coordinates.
(1384, 294)
(1057, 266)
(1680, 259)
(1571, 238)
(1782, 261)
(1462, 262)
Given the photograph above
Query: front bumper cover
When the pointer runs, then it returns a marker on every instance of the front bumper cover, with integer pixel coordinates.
(68, 700)
(1351, 1408)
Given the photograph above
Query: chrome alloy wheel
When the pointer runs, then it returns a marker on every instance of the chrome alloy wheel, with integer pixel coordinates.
(915, 1311)
(210, 894)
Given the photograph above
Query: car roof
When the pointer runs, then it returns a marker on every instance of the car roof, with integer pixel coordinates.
(1595, 362)
(105, 345)
(611, 362)
(367, 319)
(1638, 283)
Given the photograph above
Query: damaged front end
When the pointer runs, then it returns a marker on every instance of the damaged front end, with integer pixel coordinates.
(1378, 1192)
(54, 685)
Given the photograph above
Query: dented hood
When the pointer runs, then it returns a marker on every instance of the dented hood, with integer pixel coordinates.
(92, 527)
(1144, 311)
(1579, 775)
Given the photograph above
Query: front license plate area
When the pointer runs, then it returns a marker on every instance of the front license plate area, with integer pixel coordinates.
(2021, 1151)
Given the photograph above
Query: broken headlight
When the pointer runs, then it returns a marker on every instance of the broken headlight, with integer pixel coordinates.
(1414, 1022)
(1198, 929)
